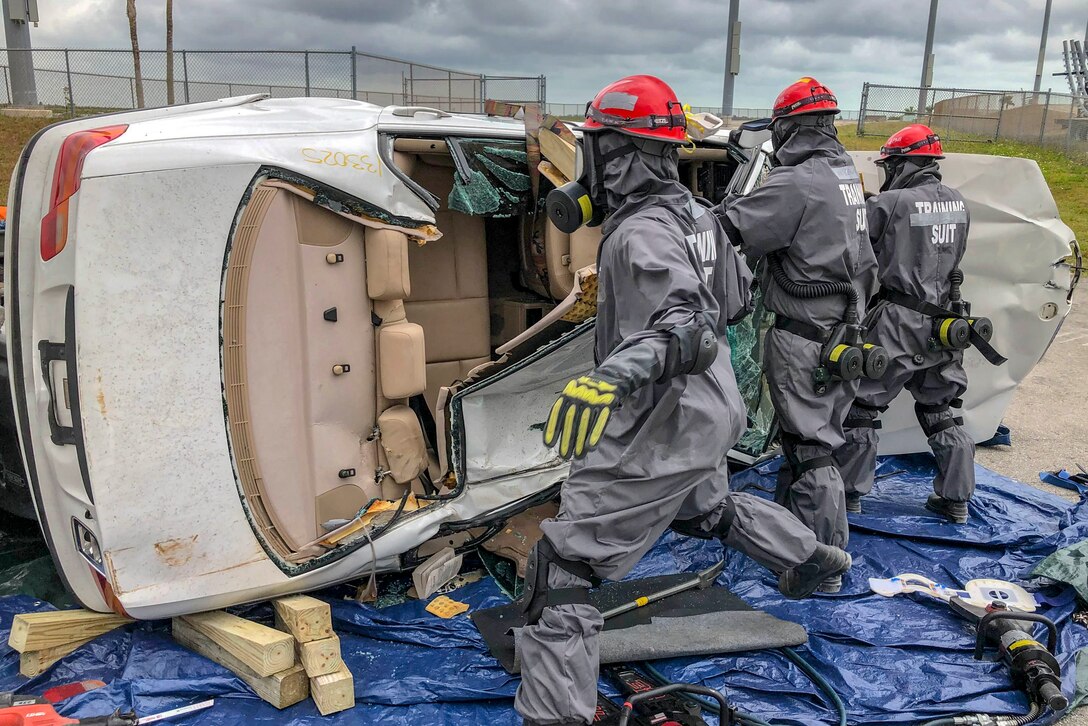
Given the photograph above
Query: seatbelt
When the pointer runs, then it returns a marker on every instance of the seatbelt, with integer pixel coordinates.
(928, 309)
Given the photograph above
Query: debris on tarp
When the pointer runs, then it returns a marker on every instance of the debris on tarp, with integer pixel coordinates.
(445, 607)
(900, 660)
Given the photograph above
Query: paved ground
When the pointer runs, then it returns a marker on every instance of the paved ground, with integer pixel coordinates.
(1049, 420)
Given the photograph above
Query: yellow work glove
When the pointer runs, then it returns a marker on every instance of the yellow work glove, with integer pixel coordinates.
(578, 418)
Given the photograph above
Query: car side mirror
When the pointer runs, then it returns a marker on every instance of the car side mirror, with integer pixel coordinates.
(752, 134)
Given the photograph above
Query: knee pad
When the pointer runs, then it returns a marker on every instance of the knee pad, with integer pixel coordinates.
(692, 348)
(799, 467)
(537, 595)
(922, 410)
(691, 528)
(857, 418)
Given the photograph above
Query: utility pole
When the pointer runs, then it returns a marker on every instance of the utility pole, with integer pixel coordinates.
(927, 60)
(1042, 50)
(732, 57)
(18, 15)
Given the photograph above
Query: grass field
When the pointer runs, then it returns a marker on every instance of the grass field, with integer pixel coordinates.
(14, 133)
(1068, 179)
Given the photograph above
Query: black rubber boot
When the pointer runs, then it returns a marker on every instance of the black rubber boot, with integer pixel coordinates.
(953, 511)
(831, 585)
(825, 563)
(853, 503)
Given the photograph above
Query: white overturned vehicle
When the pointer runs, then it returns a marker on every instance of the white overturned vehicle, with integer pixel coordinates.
(261, 346)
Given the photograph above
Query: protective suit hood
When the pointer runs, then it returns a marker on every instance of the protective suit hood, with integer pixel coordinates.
(911, 173)
(798, 138)
(646, 176)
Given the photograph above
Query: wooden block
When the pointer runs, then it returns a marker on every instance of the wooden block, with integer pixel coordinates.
(552, 174)
(35, 662)
(282, 689)
(333, 692)
(559, 152)
(320, 657)
(262, 649)
(304, 617)
(38, 631)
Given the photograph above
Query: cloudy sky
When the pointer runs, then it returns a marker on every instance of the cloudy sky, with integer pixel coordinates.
(582, 44)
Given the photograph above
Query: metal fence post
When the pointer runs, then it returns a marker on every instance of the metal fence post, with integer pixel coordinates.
(132, 90)
(1000, 116)
(863, 109)
(411, 84)
(354, 82)
(1046, 110)
(543, 87)
(7, 84)
(306, 57)
(185, 73)
(483, 94)
(71, 91)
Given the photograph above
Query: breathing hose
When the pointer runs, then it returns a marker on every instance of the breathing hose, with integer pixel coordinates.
(813, 290)
(955, 279)
(748, 719)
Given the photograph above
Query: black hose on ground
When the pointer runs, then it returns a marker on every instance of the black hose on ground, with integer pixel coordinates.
(748, 719)
(814, 290)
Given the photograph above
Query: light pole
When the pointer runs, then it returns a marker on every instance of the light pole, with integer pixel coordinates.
(1042, 50)
(927, 60)
(18, 15)
(732, 57)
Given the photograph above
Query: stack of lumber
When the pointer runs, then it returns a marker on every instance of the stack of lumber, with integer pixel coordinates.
(262, 657)
(285, 665)
(44, 638)
(309, 621)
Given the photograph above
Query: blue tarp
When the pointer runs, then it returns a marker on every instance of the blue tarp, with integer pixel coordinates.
(899, 660)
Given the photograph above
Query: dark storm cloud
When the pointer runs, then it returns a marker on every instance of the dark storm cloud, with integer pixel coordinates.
(583, 44)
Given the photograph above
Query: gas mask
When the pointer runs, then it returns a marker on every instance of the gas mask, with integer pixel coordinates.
(580, 202)
(890, 168)
(584, 201)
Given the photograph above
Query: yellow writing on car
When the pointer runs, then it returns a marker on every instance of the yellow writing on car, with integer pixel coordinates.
(343, 159)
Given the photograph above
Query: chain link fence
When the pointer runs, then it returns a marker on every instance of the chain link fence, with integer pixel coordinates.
(76, 82)
(576, 111)
(1056, 120)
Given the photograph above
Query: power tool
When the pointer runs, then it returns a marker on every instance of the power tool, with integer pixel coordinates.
(36, 711)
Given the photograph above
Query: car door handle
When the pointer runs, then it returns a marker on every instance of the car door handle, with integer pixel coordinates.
(51, 352)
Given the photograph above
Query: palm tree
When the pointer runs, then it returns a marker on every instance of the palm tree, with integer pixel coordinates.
(139, 79)
(170, 52)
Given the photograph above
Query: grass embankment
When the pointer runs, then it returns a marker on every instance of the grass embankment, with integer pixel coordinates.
(1068, 179)
(14, 133)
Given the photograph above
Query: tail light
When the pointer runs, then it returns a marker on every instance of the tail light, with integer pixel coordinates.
(66, 183)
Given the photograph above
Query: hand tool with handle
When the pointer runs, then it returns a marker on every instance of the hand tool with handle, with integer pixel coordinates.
(34, 711)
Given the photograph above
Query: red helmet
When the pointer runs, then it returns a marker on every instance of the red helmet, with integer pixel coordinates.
(805, 96)
(914, 140)
(640, 106)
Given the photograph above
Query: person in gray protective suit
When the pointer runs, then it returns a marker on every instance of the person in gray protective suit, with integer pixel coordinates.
(808, 220)
(650, 427)
(918, 227)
